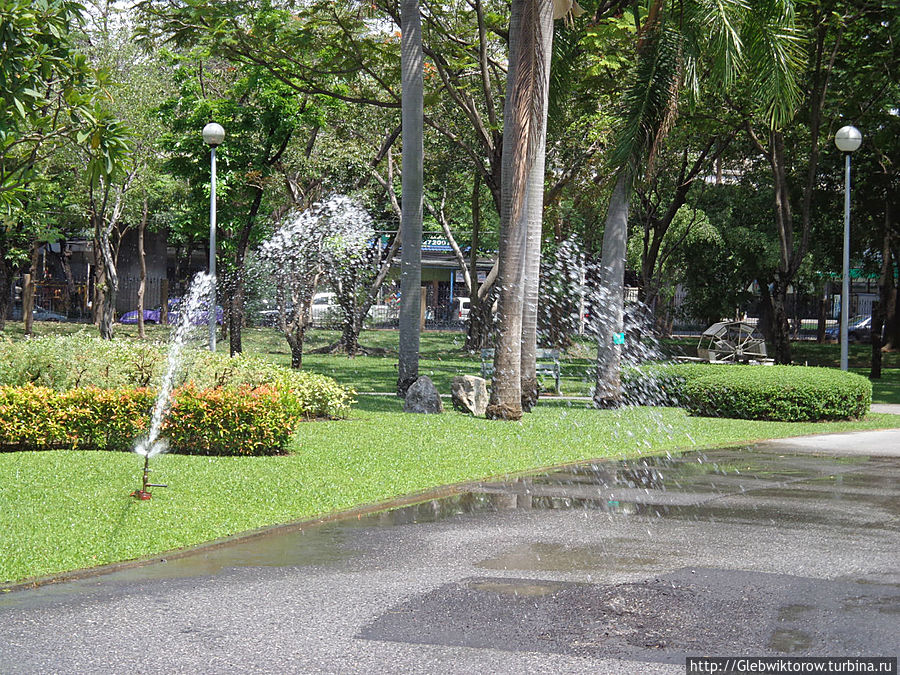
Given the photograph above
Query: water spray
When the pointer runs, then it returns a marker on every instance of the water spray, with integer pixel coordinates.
(152, 445)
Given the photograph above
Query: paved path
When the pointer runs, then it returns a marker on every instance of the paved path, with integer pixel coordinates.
(619, 567)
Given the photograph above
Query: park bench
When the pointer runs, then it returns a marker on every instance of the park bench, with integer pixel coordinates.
(546, 363)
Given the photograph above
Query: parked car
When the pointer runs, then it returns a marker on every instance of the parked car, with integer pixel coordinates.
(460, 309)
(322, 305)
(41, 314)
(155, 315)
(150, 315)
(859, 329)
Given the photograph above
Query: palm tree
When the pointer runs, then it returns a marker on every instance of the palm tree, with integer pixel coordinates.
(412, 115)
(676, 48)
(521, 192)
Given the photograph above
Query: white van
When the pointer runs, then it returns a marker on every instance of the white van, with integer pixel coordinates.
(460, 309)
(324, 306)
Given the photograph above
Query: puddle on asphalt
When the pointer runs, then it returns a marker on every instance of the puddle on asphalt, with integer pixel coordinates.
(516, 587)
(546, 557)
(788, 641)
(661, 618)
(693, 486)
(794, 612)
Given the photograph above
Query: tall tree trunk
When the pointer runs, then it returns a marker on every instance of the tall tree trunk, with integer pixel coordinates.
(781, 330)
(295, 341)
(524, 120)
(350, 330)
(107, 313)
(823, 312)
(99, 292)
(28, 291)
(412, 113)
(535, 211)
(478, 325)
(892, 301)
(766, 312)
(879, 311)
(877, 326)
(610, 307)
(142, 257)
(892, 314)
(6, 279)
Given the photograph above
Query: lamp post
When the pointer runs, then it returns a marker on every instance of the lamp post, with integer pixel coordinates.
(213, 135)
(847, 139)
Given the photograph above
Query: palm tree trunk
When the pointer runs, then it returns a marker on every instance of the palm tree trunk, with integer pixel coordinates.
(412, 114)
(524, 121)
(611, 304)
(533, 243)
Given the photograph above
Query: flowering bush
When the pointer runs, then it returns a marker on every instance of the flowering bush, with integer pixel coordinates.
(246, 421)
(242, 421)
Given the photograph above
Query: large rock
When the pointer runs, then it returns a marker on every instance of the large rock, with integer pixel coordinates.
(469, 394)
(423, 397)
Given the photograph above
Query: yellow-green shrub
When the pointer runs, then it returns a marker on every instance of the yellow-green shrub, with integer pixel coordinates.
(243, 421)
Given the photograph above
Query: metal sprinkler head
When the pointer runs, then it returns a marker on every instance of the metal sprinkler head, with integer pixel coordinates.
(144, 494)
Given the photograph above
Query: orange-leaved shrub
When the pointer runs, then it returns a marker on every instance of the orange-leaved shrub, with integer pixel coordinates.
(245, 421)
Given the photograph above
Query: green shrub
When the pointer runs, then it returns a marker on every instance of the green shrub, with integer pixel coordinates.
(777, 393)
(661, 384)
(243, 421)
(81, 361)
(40, 418)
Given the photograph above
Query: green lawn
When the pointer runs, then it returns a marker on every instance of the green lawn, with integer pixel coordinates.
(68, 510)
(62, 511)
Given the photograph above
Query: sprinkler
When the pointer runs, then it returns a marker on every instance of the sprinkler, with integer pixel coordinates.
(143, 494)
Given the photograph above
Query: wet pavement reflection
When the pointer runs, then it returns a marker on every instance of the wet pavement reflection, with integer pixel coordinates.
(647, 559)
(698, 486)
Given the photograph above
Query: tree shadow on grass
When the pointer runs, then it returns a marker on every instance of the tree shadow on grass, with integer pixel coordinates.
(379, 404)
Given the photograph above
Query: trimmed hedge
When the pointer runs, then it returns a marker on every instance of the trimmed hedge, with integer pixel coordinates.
(244, 421)
(776, 393)
(82, 361)
(662, 384)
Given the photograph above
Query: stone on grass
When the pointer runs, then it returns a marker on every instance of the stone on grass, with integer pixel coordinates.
(469, 394)
(423, 397)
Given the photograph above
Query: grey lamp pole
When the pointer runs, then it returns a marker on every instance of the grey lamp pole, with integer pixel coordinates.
(213, 135)
(847, 139)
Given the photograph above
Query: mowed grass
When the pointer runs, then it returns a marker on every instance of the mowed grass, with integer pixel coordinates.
(64, 510)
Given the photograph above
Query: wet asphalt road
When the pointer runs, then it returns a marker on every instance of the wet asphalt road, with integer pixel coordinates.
(618, 567)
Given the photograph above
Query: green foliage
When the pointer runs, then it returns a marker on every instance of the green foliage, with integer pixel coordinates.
(242, 421)
(48, 90)
(779, 393)
(68, 362)
(39, 418)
